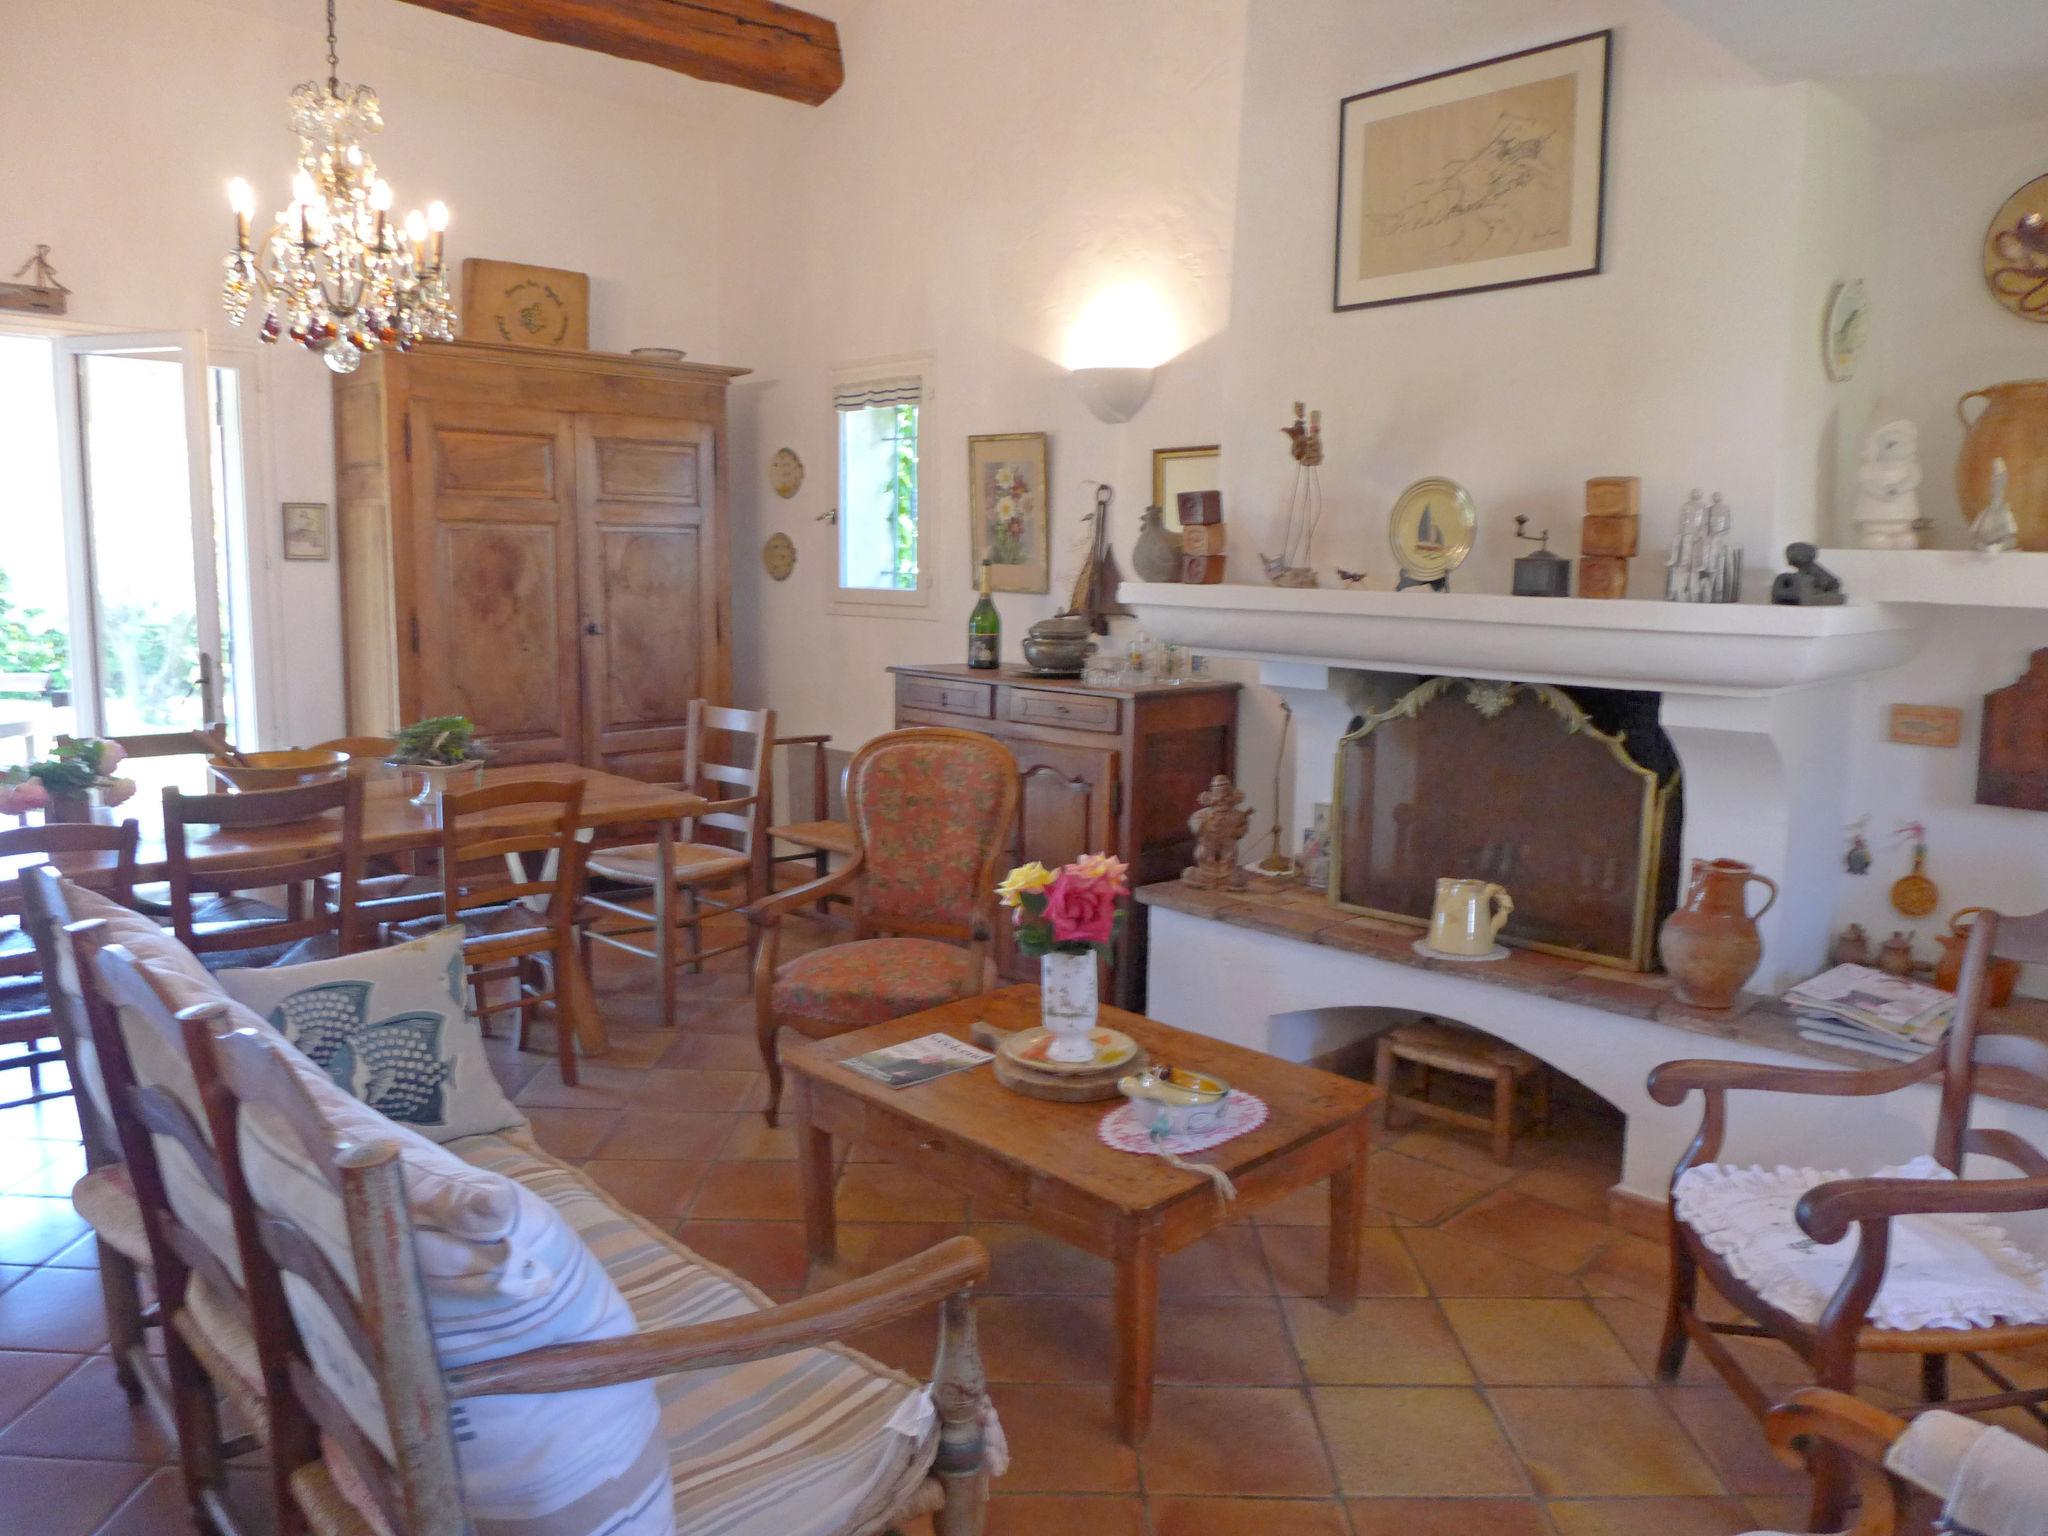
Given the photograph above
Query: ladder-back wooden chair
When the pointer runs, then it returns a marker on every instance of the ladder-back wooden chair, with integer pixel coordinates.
(307, 838)
(719, 846)
(932, 810)
(1801, 1209)
(98, 856)
(516, 925)
(817, 835)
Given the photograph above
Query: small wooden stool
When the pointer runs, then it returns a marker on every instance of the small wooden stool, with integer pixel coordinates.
(1429, 1043)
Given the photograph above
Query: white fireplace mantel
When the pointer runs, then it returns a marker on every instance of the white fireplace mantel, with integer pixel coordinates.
(1702, 648)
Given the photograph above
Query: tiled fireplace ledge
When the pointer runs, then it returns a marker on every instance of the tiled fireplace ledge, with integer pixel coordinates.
(1758, 1019)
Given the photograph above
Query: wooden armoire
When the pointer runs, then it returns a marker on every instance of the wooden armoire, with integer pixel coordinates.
(536, 540)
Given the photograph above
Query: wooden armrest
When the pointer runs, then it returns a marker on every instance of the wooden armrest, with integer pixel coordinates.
(801, 741)
(769, 910)
(1827, 1211)
(1816, 1413)
(1671, 1082)
(942, 1270)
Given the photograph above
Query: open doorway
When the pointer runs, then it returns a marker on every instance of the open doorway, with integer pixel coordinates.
(124, 593)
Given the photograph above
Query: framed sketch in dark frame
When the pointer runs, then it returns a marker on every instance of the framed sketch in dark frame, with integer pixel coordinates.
(1491, 175)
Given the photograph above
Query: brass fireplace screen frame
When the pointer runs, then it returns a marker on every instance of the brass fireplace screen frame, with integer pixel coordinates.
(1491, 699)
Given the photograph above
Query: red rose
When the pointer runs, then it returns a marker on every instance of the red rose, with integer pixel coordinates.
(1080, 911)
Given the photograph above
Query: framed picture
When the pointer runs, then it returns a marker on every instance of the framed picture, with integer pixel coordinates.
(307, 532)
(527, 306)
(1183, 469)
(1009, 506)
(1488, 176)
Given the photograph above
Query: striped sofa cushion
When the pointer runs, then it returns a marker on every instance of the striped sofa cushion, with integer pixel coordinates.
(795, 1445)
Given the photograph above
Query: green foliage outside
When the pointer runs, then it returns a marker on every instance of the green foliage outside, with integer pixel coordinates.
(903, 504)
(31, 642)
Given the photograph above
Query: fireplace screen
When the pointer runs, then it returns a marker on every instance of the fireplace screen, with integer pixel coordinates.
(1573, 809)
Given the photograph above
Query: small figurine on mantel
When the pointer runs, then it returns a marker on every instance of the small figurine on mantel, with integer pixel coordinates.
(1295, 565)
(1887, 488)
(1704, 565)
(1808, 584)
(1994, 530)
(1217, 826)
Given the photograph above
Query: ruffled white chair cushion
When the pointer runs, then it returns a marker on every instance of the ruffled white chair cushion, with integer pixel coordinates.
(1950, 1271)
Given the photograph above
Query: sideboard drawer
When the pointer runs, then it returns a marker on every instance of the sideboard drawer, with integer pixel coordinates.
(946, 698)
(1065, 711)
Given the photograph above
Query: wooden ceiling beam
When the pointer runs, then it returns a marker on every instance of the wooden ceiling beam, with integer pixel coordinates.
(755, 44)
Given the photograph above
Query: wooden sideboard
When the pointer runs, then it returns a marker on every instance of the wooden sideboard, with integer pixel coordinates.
(1110, 769)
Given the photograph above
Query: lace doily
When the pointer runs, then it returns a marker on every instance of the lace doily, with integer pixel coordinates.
(1125, 1128)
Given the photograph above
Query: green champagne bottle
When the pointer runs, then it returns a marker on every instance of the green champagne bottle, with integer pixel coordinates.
(985, 629)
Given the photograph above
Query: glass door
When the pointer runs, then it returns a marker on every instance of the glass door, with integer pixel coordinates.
(144, 561)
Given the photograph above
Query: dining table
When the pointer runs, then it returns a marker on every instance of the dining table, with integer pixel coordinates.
(615, 809)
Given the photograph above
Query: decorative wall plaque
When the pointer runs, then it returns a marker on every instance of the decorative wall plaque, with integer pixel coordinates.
(1924, 725)
(526, 306)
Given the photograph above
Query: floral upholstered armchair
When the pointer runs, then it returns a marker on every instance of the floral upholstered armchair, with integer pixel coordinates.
(931, 810)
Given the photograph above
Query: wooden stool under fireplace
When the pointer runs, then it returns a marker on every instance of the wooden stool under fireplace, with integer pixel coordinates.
(1431, 1045)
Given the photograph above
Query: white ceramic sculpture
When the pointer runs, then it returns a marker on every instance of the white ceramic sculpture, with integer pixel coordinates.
(1994, 530)
(1888, 487)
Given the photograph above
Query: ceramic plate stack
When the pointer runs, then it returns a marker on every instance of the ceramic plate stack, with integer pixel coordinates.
(1022, 1067)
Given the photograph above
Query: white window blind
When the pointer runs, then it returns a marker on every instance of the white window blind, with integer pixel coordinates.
(860, 394)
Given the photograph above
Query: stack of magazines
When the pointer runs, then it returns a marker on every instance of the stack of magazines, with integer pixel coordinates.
(1870, 1010)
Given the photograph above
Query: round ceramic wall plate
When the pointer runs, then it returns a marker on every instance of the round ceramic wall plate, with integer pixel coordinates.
(778, 556)
(1113, 1048)
(786, 473)
(2016, 252)
(1431, 527)
(1845, 328)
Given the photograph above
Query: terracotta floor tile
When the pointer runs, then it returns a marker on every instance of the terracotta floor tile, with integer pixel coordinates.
(1024, 1261)
(1422, 1192)
(753, 1139)
(1461, 1151)
(770, 1254)
(1300, 1258)
(654, 1135)
(1732, 1440)
(1225, 1263)
(61, 1168)
(9, 1273)
(70, 1498)
(660, 1192)
(1246, 1517)
(55, 1309)
(1225, 1341)
(89, 1417)
(1640, 1327)
(1381, 1342)
(26, 1375)
(1630, 1266)
(909, 1344)
(1651, 1517)
(713, 1051)
(1515, 1342)
(572, 1134)
(1575, 1188)
(157, 1508)
(599, 1085)
(1454, 1266)
(1258, 1441)
(1062, 1440)
(1308, 1207)
(1043, 1338)
(1448, 1517)
(1780, 1514)
(864, 1247)
(1417, 1442)
(1063, 1515)
(694, 1089)
(1601, 1442)
(1532, 1230)
(83, 1254)
(32, 1228)
(884, 1192)
(748, 1192)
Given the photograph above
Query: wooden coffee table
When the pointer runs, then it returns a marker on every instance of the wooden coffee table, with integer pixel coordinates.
(970, 1133)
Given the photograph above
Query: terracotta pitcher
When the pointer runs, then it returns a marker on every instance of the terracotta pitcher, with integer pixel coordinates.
(2013, 426)
(1948, 970)
(1710, 944)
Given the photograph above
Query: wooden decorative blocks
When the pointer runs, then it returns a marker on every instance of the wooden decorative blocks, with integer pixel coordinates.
(1201, 570)
(1609, 534)
(1200, 508)
(1203, 539)
(1603, 576)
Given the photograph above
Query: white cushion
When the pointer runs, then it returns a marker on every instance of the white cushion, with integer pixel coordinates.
(1949, 1271)
(390, 1027)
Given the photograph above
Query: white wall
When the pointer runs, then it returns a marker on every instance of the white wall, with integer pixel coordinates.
(125, 121)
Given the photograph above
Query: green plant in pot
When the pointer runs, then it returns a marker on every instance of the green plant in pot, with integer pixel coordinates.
(68, 784)
(436, 753)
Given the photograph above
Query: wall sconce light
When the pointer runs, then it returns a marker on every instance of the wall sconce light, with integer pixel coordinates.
(1115, 347)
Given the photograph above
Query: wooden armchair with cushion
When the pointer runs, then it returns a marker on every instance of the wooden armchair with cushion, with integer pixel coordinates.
(1770, 1242)
(931, 810)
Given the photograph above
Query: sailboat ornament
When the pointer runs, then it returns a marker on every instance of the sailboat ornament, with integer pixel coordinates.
(1294, 566)
(1095, 597)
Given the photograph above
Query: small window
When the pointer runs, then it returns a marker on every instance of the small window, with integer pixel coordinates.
(880, 473)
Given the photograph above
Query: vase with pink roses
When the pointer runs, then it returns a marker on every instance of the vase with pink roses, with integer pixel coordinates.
(65, 786)
(1068, 917)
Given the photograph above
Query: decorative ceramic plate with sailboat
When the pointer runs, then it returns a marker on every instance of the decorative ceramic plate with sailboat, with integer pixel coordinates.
(1431, 528)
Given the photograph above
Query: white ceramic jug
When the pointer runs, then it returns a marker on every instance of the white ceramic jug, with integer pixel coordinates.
(1468, 915)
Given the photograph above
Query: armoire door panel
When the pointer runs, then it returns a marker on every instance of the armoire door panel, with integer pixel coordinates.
(494, 612)
(649, 586)
(1068, 808)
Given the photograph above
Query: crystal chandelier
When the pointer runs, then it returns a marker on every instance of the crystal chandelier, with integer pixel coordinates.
(336, 273)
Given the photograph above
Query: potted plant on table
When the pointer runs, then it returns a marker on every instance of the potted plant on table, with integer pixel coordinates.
(1068, 917)
(68, 785)
(438, 752)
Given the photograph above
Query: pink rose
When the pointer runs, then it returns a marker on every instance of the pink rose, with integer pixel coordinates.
(116, 791)
(20, 799)
(112, 755)
(1080, 911)
(1102, 866)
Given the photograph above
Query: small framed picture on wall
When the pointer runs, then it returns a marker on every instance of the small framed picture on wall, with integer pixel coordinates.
(1009, 506)
(308, 531)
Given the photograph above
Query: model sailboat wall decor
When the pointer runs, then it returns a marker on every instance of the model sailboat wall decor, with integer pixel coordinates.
(1095, 587)
(1294, 566)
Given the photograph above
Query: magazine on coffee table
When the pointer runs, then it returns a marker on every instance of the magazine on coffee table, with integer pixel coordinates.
(917, 1061)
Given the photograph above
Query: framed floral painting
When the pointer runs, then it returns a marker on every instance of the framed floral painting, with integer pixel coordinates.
(1009, 506)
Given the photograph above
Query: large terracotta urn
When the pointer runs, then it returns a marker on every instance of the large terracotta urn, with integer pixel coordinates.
(1710, 944)
(2013, 426)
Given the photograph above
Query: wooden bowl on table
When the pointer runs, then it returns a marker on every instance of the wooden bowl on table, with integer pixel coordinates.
(279, 770)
